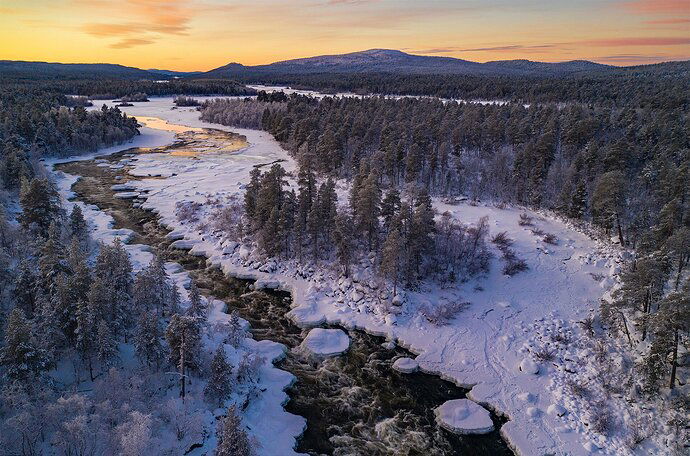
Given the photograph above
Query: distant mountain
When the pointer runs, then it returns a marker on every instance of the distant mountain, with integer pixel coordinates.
(174, 74)
(392, 61)
(44, 70)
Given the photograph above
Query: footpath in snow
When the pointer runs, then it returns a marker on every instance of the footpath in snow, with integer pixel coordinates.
(492, 347)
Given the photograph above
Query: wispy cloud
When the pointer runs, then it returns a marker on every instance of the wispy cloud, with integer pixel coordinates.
(634, 59)
(130, 42)
(637, 41)
(657, 6)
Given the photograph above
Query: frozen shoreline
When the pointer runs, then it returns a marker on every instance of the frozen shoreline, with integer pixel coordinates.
(482, 349)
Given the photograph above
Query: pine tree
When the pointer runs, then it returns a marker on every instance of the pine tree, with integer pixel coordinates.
(77, 225)
(391, 258)
(197, 308)
(25, 288)
(344, 241)
(148, 345)
(184, 337)
(608, 201)
(51, 262)
(113, 272)
(40, 204)
(79, 278)
(219, 383)
(368, 209)
(232, 439)
(22, 357)
(85, 333)
(390, 207)
(250, 195)
(106, 345)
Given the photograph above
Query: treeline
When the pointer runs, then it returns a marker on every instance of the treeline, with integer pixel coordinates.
(57, 306)
(660, 86)
(36, 123)
(398, 236)
(117, 88)
(243, 113)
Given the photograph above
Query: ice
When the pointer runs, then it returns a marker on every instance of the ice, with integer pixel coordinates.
(463, 416)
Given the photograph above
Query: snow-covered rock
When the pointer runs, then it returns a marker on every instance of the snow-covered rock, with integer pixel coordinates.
(555, 409)
(463, 416)
(126, 195)
(405, 365)
(528, 366)
(326, 342)
(183, 244)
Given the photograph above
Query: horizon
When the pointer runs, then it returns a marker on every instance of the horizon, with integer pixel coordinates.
(158, 33)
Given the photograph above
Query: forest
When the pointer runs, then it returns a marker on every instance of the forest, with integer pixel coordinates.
(663, 85)
(621, 173)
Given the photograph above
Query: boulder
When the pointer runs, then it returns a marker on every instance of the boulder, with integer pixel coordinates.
(326, 342)
(406, 365)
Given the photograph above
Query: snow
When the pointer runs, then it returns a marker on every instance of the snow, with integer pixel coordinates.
(326, 342)
(529, 367)
(463, 416)
(482, 348)
(405, 365)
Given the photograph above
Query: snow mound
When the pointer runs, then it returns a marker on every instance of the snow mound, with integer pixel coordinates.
(529, 367)
(463, 416)
(326, 342)
(555, 409)
(405, 365)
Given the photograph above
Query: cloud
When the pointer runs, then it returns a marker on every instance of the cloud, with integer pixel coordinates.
(636, 59)
(657, 6)
(669, 21)
(130, 42)
(505, 48)
(637, 41)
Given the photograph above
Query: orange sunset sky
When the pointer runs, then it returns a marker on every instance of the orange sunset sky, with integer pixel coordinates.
(204, 34)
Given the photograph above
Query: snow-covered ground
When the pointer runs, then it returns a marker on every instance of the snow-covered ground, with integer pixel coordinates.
(495, 347)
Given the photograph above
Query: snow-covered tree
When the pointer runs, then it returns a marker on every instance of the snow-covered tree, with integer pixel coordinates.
(197, 306)
(148, 344)
(106, 345)
(21, 356)
(232, 438)
(219, 383)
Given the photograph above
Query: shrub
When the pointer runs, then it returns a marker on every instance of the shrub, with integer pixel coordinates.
(187, 211)
(442, 314)
(551, 239)
(502, 240)
(538, 232)
(525, 220)
(514, 266)
(544, 355)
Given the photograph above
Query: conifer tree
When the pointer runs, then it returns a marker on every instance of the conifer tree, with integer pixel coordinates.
(391, 256)
(85, 333)
(21, 356)
(25, 288)
(51, 262)
(106, 345)
(77, 225)
(148, 344)
(232, 438)
(184, 340)
(197, 308)
(219, 383)
(40, 204)
(344, 241)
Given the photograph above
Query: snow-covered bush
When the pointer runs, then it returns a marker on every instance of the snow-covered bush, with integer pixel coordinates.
(228, 220)
(525, 220)
(441, 314)
(502, 241)
(551, 238)
(514, 265)
(187, 211)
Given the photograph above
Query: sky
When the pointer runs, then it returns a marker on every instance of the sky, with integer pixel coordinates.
(190, 35)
